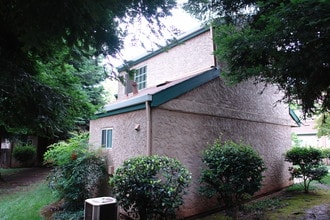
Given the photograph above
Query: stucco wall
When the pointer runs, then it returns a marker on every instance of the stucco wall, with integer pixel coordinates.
(183, 127)
(127, 142)
(190, 56)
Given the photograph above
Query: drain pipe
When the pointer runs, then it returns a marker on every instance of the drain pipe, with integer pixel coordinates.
(148, 114)
(215, 62)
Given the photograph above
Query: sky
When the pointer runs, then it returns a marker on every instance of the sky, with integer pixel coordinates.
(179, 19)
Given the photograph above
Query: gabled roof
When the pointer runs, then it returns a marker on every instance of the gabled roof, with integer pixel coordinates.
(160, 94)
(174, 43)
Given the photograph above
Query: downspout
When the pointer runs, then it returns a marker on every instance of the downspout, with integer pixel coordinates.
(148, 114)
(215, 63)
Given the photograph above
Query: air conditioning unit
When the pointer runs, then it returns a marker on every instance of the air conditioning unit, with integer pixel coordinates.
(101, 208)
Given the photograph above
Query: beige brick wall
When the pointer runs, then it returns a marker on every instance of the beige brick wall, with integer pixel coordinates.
(183, 127)
(182, 60)
(127, 142)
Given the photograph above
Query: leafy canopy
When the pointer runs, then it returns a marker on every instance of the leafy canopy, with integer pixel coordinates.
(285, 43)
(307, 164)
(48, 81)
(323, 125)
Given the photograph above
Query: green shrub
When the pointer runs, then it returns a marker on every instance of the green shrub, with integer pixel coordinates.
(63, 152)
(24, 153)
(307, 164)
(296, 142)
(151, 186)
(258, 209)
(232, 173)
(326, 153)
(65, 215)
(78, 173)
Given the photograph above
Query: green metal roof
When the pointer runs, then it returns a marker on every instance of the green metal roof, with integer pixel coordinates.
(294, 117)
(183, 87)
(160, 95)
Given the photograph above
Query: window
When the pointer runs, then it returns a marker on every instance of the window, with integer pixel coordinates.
(107, 138)
(140, 77)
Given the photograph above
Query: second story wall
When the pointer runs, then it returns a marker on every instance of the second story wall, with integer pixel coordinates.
(186, 58)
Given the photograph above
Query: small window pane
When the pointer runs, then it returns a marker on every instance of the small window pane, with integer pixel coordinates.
(109, 139)
(103, 138)
(141, 77)
(106, 138)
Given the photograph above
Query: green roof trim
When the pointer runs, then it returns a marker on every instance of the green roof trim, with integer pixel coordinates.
(161, 96)
(294, 117)
(121, 110)
(183, 87)
(165, 48)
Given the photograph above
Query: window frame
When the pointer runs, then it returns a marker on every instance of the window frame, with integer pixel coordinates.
(105, 143)
(140, 77)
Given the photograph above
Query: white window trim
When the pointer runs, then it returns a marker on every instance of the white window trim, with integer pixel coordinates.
(105, 142)
(144, 81)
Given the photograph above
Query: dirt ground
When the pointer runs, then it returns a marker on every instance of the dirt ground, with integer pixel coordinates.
(23, 177)
(319, 212)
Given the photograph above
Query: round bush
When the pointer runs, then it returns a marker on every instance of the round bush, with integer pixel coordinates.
(151, 186)
(233, 172)
(307, 164)
(24, 153)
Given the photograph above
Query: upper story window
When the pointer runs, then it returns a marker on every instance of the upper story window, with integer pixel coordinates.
(106, 138)
(140, 77)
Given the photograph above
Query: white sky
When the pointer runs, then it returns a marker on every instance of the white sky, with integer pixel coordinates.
(179, 19)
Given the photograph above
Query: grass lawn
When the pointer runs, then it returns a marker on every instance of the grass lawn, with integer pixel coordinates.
(10, 171)
(291, 204)
(298, 202)
(25, 202)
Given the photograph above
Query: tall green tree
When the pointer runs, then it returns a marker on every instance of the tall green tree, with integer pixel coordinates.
(47, 82)
(323, 125)
(285, 43)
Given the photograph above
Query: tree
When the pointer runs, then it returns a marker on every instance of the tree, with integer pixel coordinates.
(285, 43)
(151, 186)
(48, 85)
(323, 125)
(232, 173)
(57, 100)
(307, 164)
(78, 173)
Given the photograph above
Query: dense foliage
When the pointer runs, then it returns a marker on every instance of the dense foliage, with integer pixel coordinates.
(232, 173)
(48, 83)
(323, 125)
(307, 164)
(24, 153)
(151, 186)
(326, 153)
(280, 42)
(78, 173)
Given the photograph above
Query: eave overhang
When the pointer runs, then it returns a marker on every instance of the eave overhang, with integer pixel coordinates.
(160, 95)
